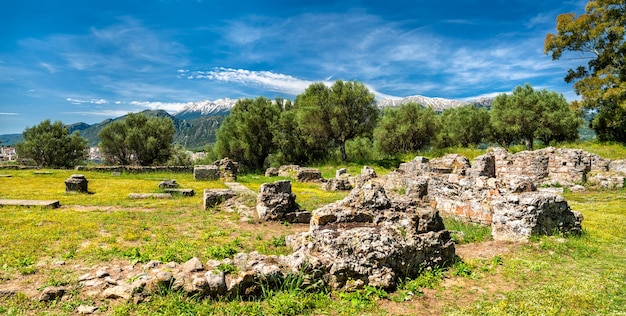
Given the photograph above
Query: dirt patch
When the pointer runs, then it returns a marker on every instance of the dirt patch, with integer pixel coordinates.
(459, 291)
(485, 250)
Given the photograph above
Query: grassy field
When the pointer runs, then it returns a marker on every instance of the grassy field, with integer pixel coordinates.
(547, 276)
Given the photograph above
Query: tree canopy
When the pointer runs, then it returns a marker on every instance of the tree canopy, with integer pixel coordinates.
(247, 134)
(598, 35)
(337, 114)
(51, 145)
(407, 128)
(138, 139)
(527, 114)
(464, 126)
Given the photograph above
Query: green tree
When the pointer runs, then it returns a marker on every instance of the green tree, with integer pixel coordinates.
(464, 126)
(51, 145)
(246, 135)
(598, 35)
(332, 116)
(138, 139)
(407, 128)
(527, 114)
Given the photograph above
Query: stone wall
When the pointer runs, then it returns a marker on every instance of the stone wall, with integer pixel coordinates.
(501, 189)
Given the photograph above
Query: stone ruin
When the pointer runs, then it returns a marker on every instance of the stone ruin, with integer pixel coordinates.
(276, 202)
(344, 182)
(370, 239)
(224, 169)
(366, 239)
(76, 183)
(503, 190)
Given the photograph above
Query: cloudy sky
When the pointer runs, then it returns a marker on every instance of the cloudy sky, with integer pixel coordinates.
(84, 61)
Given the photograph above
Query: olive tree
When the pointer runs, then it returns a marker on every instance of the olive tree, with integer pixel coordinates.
(407, 128)
(51, 145)
(138, 139)
(333, 115)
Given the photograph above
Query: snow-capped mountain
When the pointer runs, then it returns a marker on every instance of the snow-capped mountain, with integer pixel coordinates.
(219, 107)
(438, 104)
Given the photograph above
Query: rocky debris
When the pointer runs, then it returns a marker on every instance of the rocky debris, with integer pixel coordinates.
(206, 173)
(483, 166)
(288, 171)
(470, 192)
(339, 172)
(336, 184)
(519, 216)
(276, 202)
(51, 293)
(549, 166)
(227, 169)
(86, 309)
(214, 197)
(618, 166)
(76, 183)
(607, 180)
(369, 239)
(224, 169)
(168, 184)
(137, 196)
(271, 172)
(367, 173)
(451, 163)
(183, 192)
(308, 175)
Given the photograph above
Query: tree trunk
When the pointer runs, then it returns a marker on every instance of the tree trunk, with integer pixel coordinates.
(529, 144)
(342, 148)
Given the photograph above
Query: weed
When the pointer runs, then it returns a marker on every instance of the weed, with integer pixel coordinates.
(226, 267)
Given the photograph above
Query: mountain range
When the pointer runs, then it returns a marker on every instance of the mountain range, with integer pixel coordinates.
(197, 123)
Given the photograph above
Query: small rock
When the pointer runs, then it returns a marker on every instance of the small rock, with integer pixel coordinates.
(101, 274)
(84, 309)
(119, 291)
(51, 293)
(85, 277)
(193, 265)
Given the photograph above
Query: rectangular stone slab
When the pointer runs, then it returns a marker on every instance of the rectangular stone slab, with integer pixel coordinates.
(45, 203)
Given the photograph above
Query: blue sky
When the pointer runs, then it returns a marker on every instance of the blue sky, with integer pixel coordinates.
(84, 61)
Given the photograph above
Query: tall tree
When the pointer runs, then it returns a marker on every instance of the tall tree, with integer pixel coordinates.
(138, 139)
(407, 128)
(51, 145)
(527, 114)
(464, 126)
(337, 114)
(246, 135)
(598, 35)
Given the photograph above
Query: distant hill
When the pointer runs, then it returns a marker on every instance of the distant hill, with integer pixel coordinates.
(197, 123)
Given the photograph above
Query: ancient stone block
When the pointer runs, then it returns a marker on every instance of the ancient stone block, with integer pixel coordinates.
(76, 183)
(336, 184)
(518, 216)
(275, 200)
(168, 184)
(308, 175)
(214, 197)
(206, 173)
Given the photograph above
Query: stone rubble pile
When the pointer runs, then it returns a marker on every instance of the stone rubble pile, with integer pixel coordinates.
(505, 190)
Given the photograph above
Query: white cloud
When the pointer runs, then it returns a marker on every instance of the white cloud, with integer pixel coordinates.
(266, 80)
(90, 101)
(171, 107)
(8, 113)
(102, 113)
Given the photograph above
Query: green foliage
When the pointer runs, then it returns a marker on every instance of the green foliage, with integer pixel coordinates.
(50, 145)
(465, 233)
(137, 140)
(407, 128)
(228, 250)
(464, 126)
(246, 135)
(527, 114)
(600, 36)
(332, 116)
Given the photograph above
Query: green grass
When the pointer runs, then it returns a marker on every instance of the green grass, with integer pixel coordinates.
(554, 275)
